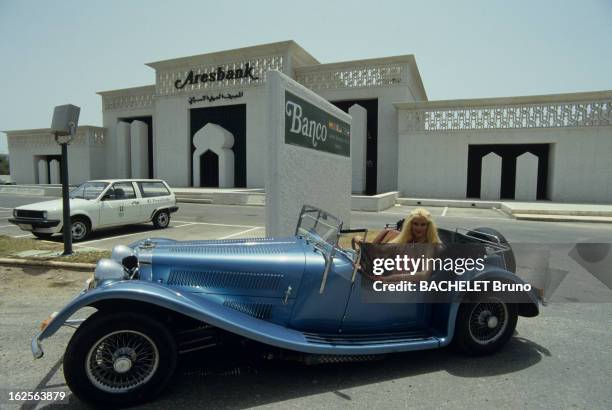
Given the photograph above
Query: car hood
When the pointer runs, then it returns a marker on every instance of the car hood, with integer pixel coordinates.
(53, 205)
(263, 267)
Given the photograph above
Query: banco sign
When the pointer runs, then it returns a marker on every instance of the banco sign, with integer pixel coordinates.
(311, 127)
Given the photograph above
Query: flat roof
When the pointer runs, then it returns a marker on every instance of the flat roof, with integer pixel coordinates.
(524, 99)
(225, 55)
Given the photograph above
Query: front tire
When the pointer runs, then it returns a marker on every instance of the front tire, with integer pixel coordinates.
(80, 228)
(161, 219)
(119, 359)
(485, 326)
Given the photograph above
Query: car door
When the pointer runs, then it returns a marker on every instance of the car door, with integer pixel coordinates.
(391, 311)
(120, 205)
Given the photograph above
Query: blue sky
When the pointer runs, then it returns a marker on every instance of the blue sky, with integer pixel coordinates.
(57, 52)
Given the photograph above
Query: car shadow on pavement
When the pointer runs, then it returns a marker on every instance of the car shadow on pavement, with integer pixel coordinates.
(230, 379)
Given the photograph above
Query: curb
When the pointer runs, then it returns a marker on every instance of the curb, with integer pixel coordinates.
(561, 218)
(47, 264)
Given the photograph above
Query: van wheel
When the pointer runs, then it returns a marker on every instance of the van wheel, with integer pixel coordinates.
(119, 359)
(161, 219)
(485, 326)
(80, 228)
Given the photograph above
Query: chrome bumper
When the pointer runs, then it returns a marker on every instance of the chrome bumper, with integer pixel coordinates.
(36, 347)
(37, 350)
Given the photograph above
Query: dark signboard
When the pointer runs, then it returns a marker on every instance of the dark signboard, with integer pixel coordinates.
(311, 127)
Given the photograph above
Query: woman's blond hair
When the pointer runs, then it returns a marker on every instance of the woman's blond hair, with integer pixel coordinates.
(405, 236)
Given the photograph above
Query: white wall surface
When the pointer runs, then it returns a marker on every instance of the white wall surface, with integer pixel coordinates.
(387, 156)
(490, 181)
(358, 147)
(43, 172)
(434, 164)
(25, 150)
(172, 136)
(526, 184)
(123, 150)
(110, 118)
(298, 175)
(139, 135)
(54, 171)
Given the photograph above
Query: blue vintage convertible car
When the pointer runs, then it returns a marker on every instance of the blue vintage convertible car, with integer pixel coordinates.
(296, 296)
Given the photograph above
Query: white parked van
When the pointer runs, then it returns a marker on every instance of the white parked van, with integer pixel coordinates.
(101, 204)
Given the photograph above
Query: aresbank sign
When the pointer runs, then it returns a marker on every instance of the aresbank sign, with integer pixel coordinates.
(311, 127)
(220, 74)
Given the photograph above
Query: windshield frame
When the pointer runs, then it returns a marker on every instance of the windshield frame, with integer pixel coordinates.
(321, 219)
(104, 189)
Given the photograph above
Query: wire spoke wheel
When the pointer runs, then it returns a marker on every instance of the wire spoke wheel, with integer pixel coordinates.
(488, 321)
(122, 361)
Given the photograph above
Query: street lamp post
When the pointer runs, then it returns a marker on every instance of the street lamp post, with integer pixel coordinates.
(64, 125)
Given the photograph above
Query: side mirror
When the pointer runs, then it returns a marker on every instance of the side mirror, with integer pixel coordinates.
(106, 196)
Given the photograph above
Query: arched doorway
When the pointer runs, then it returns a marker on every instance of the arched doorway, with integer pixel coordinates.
(209, 169)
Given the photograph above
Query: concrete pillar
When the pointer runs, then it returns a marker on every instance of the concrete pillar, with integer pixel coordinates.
(122, 150)
(526, 186)
(359, 131)
(490, 178)
(54, 172)
(43, 172)
(139, 138)
(220, 141)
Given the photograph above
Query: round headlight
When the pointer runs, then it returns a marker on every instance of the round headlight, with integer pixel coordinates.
(121, 252)
(15, 213)
(107, 270)
(44, 214)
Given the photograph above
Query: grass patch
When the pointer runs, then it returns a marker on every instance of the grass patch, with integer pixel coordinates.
(10, 248)
(79, 257)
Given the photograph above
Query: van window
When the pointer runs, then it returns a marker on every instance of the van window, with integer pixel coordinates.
(121, 190)
(150, 189)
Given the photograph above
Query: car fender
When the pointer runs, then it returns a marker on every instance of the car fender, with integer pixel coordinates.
(184, 303)
(164, 205)
(528, 305)
(93, 221)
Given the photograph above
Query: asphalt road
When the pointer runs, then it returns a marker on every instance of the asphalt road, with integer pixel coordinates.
(254, 216)
(559, 359)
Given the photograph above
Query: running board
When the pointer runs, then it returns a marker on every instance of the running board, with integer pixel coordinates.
(405, 339)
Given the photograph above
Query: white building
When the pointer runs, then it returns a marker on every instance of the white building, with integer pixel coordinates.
(556, 147)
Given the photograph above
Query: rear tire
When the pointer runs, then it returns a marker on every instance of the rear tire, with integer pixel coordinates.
(485, 326)
(161, 219)
(119, 359)
(41, 235)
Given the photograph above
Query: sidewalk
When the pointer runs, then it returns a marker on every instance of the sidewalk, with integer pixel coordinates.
(529, 211)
